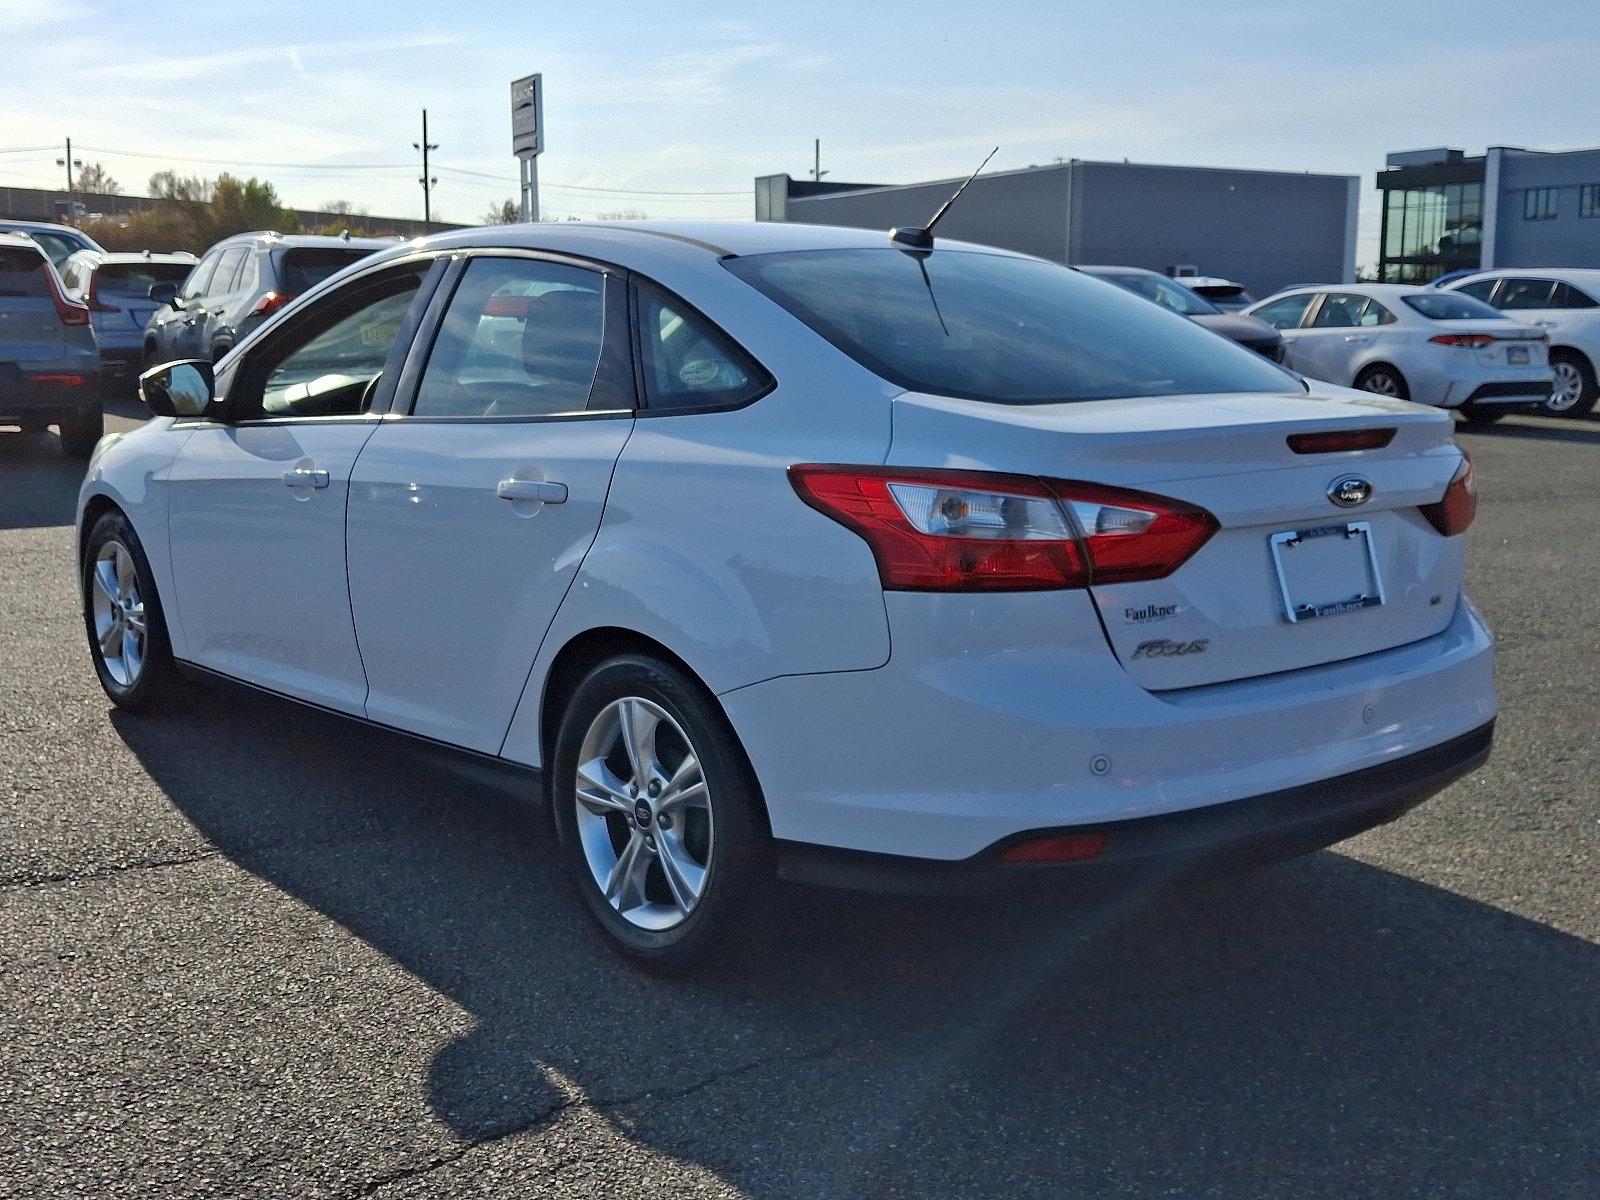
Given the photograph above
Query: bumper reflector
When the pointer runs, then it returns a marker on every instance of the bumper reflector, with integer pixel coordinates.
(1070, 847)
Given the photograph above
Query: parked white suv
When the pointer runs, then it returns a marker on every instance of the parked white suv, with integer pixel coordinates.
(1566, 305)
(771, 547)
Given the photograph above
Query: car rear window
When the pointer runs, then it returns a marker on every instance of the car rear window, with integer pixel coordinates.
(303, 269)
(133, 280)
(22, 272)
(1452, 306)
(999, 328)
(1165, 293)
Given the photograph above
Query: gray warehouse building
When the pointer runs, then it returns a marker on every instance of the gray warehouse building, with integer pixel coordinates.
(1446, 211)
(1264, 229)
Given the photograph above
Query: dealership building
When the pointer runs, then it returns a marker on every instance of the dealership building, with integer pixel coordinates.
(1446, 211)
(1264, 229)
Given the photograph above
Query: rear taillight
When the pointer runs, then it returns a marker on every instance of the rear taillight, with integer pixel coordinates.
(58, 379)
(269, 303)
(1455, 511)
(1339, 440)
(95, 303)
(974, 531)
(1472, 341)
(69, 312)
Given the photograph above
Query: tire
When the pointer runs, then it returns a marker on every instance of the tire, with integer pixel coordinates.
(1383, 380)
(1575, 389)
(714, 837)
(80, 433)
(152, 681)
(1479, 416)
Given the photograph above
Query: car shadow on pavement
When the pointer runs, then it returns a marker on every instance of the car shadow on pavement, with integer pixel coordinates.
(38, 483)
(1320, 1027)
(1580, 432)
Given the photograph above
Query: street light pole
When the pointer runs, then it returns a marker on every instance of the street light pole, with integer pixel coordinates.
(427, 181)
(72, 187)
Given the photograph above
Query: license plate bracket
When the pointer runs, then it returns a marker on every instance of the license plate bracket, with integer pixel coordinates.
(1517, 355)
(1326, 570)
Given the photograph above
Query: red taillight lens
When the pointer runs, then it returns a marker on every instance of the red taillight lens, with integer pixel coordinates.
(269, 303)
(1473, 341)
(1455, 511)
(941, 530)
(1071, 847)
(1339, 440)
(69, 312)
(58, 380)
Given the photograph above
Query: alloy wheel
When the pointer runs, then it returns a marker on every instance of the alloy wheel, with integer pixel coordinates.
(1381, 382)
(643, 814)
(1567, 390)
(119, 619)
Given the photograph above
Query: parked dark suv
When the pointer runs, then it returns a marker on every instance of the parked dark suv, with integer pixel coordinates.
(239, 283)
(49, 365)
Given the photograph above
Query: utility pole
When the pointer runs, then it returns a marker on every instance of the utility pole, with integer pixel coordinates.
(427, 181)
(72, 186)
(816, 170)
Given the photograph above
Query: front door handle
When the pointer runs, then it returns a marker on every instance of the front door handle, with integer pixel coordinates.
(305, 477)
(531, 489)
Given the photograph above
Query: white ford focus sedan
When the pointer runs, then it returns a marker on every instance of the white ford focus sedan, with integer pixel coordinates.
(764, 548)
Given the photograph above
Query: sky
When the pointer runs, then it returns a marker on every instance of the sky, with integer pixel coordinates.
(673, 109)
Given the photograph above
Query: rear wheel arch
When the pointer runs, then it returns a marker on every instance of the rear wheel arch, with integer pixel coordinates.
(1368, 369)
(589, 649)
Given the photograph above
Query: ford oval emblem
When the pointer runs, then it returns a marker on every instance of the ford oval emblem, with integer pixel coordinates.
(1350, 491)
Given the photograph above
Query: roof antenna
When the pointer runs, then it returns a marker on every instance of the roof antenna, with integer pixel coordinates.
(915, 238)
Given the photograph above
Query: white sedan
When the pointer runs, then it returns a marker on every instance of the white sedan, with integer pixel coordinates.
(1565, 304)
(1414, 343)
(753, 548)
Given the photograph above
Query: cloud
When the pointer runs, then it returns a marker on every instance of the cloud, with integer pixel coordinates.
(191, 67)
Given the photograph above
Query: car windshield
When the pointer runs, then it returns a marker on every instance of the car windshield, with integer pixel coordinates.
(1452, 306)
(303, 269)
(1000, 328)
(22, 273)
(133, 280)
(1165, 293)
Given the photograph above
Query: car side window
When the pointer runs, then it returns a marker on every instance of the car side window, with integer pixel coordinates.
(227, 267)
(1568, 296)
(1340, 310)
(58, 248)
(1375, 314)
(1479, 289)
(327, 362)
(1286, 313)
(1524, 293)
(199, 278)
(688, 362)
(522, 337)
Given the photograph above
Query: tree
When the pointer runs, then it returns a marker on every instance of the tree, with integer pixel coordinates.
(344, 208)
(623, 214)
(507, 212)
(95, 178)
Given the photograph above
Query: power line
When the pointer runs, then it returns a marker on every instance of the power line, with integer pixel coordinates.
(242, 162)
(575, 187)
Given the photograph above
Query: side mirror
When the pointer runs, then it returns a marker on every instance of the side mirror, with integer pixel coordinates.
(179, 389)
(163, 293)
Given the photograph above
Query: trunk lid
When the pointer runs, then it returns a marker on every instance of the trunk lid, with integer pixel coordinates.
(1224, 614)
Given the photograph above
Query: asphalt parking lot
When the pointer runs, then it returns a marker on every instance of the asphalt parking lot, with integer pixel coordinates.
(246, 953)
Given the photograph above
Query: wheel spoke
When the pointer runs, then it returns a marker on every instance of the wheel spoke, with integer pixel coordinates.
(105, 580)
(684, 876)
(627, 876)
(686, 787)
(600, 791)
(638, 727)
(112, 637)
(126, 579)
(134, 618)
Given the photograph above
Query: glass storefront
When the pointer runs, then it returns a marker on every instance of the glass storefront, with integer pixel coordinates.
(1430, 230)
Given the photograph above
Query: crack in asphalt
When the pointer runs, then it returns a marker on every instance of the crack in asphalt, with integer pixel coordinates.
(600, 1107)
(19, 882)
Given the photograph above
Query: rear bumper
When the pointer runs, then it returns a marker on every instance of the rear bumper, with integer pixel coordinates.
(1530, 392)
(22, 398)
(1158, 849)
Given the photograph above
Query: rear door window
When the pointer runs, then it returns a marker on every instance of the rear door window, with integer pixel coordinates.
(22, 273)
(227, 267)
(522, 338)
(1341, 310)
(1524, 293)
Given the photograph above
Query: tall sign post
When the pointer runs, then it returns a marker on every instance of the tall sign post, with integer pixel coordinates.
(527, 138)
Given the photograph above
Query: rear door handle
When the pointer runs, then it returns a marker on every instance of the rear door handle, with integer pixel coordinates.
(532, 489)
(1357, 338)
(305, 477)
